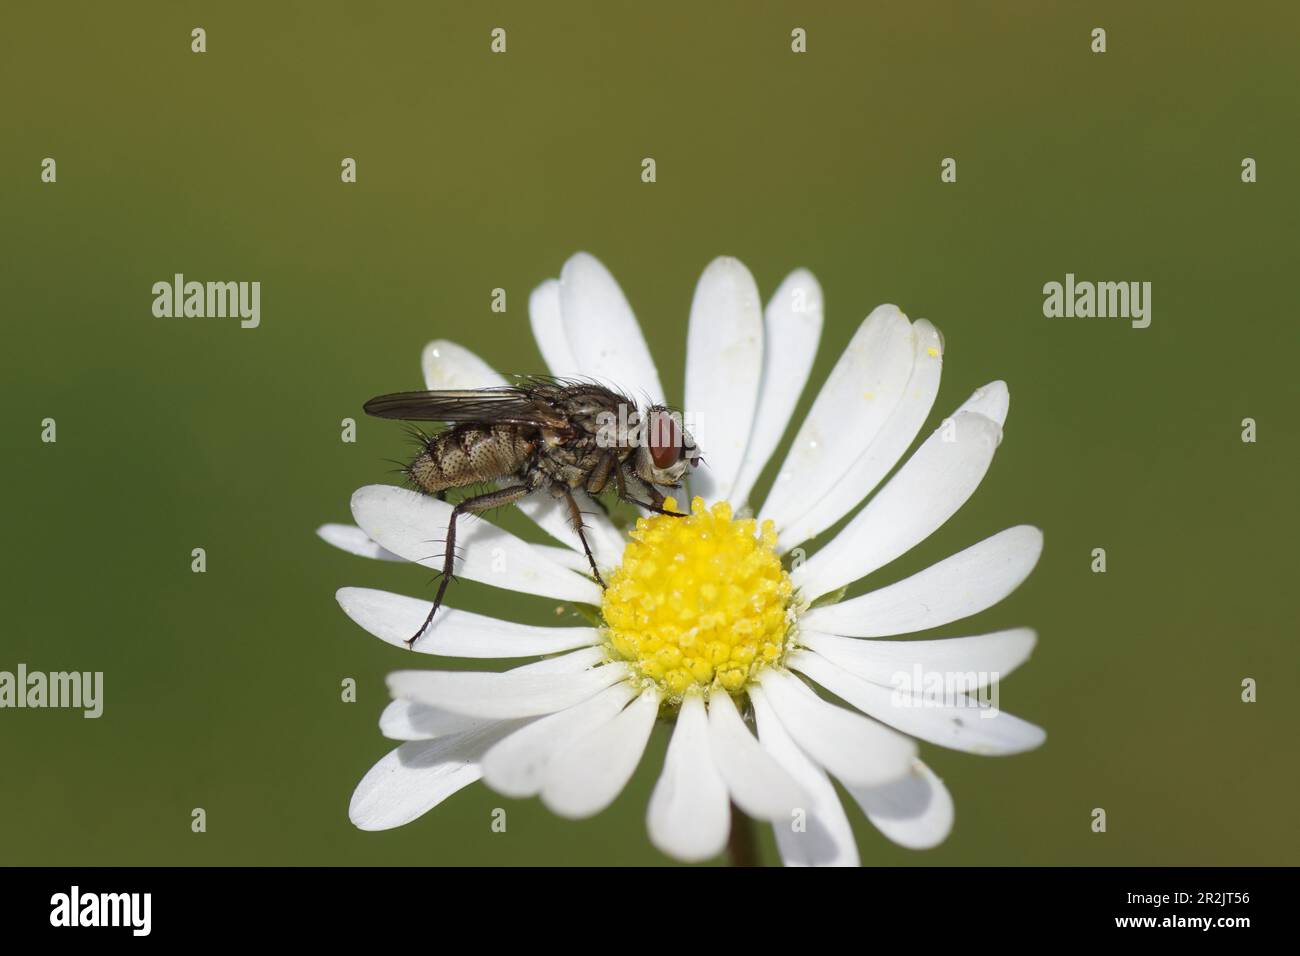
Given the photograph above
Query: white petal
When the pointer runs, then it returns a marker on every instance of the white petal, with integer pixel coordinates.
(915, 812)
(758, 784)
(989, 656)
(925, 493)
(853, 406)
(724, 361)
(415, 525)
(419, 775)
(573, 560)
(407, 720)
(821, 836)
(517, 765)
(992, 401)
(512, 694)
(393, 618)
(350, 538)
(601, 330)
(574, 662)
(586, 776)
(891, 441)
(689, 817)
(859, 751)
(552, 516)
(792, 327)
(960, 722)
(957, 587)
(448, 365)
(548, 330)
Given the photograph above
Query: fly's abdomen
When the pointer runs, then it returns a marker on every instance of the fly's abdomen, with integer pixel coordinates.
(468, 454)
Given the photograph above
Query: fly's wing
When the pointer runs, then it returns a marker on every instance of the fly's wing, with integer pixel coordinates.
(495, 406)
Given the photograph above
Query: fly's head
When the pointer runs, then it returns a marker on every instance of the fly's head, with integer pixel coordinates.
(667, 449)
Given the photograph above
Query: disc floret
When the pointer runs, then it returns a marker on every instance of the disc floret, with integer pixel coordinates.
(700, 601)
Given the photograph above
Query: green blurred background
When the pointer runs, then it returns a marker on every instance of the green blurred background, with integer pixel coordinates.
(477, 171)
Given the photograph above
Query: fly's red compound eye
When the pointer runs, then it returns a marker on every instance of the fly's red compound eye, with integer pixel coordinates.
(665, 440)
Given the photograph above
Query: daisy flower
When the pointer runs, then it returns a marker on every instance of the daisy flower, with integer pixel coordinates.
(717, 622)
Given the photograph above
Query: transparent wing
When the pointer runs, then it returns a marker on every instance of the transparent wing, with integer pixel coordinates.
(498, 406)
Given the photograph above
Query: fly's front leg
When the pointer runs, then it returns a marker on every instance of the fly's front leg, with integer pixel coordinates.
(575, 519)
(657, 509)
(599, 479)
(599, 476)
(656, 499)
(479, 503)
(656, 504)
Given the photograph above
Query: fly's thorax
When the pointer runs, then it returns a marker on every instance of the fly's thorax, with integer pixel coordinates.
(572, 462)
(595, 413)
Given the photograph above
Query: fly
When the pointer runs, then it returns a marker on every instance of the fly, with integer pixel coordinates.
(541, 434)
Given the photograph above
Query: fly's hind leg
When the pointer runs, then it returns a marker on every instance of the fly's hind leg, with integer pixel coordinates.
(475, 505)
(575, 519)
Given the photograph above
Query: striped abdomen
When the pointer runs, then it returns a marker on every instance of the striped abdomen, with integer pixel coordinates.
(467, 454)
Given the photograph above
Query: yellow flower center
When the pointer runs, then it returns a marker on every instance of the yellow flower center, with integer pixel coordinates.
(700, 600)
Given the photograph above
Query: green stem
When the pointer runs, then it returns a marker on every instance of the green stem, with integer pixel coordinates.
(742, 845)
